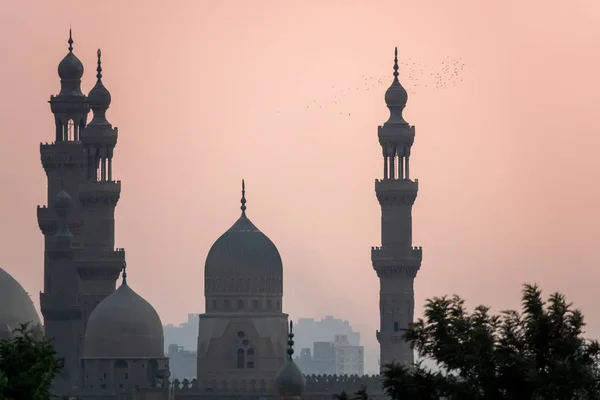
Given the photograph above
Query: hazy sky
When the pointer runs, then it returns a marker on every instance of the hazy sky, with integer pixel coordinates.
(206, 93)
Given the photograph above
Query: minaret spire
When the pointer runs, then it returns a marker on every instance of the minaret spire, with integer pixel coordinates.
(396, 65)
(243, 201)
(70, 41)
(290, 350)
(124, 274)
(99, 68)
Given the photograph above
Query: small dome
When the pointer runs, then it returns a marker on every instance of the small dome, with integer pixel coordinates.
(17, 307)
(70, 68)
(63, 200)
(99, 96)
(396, 97)
(290, 381)
(244, 252)
(124, 326)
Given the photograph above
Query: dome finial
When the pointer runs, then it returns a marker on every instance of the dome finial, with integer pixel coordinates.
(290, 350)
(70, 41)
(243, 201)
(396, 64)
(99, 68)
(124, 274)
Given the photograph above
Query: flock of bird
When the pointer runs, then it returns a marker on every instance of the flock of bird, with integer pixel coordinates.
(414, 76)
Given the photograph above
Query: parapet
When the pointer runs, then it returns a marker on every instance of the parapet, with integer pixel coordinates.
(393, 133)
(99, 193)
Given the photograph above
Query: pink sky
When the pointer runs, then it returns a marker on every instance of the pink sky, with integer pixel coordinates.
(206, 93)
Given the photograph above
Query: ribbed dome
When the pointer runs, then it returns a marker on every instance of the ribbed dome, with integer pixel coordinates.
(124, 325)
(244, 252)
(16, 305)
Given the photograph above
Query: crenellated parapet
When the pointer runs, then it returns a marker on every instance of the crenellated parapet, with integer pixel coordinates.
(63, 155)
(47, 221)
(99, 194)
(392, 192)
(97, 136)
(99, 264)
(335, 384)
(56, 307)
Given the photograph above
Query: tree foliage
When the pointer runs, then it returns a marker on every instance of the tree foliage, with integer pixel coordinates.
(28, 365)
(536, 354)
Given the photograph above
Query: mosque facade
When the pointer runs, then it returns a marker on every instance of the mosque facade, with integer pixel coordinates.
(111, 339)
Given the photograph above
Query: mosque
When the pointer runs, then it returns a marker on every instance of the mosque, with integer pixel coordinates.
(111, 339)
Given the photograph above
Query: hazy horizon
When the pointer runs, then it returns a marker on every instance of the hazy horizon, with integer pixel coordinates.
(207, 93)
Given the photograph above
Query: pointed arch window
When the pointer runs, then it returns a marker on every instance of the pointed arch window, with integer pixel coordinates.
(241, 358)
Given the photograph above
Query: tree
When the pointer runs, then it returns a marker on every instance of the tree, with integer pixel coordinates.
(538, 353)
(341, 396)
(29, 366)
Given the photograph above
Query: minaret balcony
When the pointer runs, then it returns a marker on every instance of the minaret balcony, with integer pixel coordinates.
(100, 193)
(396, 192)
(400, 134)
(67, 155)
(100, 264)
(396, 262)
(47, 221)
(57, 307)
(100, 135)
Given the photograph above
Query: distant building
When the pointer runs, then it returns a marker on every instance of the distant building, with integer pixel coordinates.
(182, 362)
(338, 357)
(185, 335)
(310, 330)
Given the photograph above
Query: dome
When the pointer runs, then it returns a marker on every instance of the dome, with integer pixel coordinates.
(124, 326)
(17, 307)
(244, 252)
(290, 381)
(396, 97)
(99, 96)
(70, 68)
(63, 200)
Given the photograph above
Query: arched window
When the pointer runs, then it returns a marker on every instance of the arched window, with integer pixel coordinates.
(241, 359)
(250, 352)
(240, 304)
(255, 304)
(226, 304)
(70, 130)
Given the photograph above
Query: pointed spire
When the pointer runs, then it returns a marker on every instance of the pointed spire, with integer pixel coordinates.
(290, 350)
(396, 65)
(99, 68)
(70, 41)
(243, 201)
(124, 274)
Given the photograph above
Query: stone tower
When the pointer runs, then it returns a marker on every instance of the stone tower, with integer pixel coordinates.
(396, 261)
(80, 264)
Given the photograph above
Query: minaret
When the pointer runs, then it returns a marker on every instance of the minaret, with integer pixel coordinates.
(98, 263)
(396, 261)
(64, 164)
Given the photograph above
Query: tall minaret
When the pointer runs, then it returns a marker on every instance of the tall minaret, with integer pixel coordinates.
(396, 261)
(98, 263)
(64, 163)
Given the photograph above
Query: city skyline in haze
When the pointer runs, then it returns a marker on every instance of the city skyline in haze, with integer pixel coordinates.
(205, 96)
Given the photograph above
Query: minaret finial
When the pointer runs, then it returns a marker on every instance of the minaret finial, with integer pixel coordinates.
(290, 350)
(396, 64)
(124, 274)
(99, 68)
(243, 201)
(70, 41)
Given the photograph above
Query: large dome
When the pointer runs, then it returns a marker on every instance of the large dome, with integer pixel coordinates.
(245, 257)
(124, 326)
(17, 307)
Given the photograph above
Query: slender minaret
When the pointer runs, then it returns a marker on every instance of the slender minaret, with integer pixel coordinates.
(396, 261)
(98, 263)
(60, 222)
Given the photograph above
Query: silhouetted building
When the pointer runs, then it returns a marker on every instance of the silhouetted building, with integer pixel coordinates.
(112, 341)
(184, 335)
(396, 261)
(337, 357)
(309, 330)
(182, 363)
